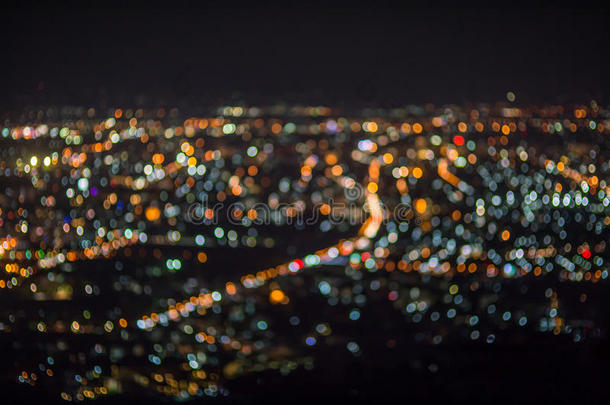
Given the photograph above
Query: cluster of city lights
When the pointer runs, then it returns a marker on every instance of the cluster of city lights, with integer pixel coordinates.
(180, 243)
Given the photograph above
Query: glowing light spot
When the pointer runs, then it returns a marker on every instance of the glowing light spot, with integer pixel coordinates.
(277, 297)
(152, 213)
(421, 205)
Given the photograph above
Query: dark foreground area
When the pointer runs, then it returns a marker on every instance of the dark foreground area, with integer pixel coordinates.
(540, 373)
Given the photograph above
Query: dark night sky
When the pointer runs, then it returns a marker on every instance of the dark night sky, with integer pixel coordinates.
(189, 55)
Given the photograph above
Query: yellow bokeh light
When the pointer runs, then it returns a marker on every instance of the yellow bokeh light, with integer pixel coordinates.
(421, 205)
